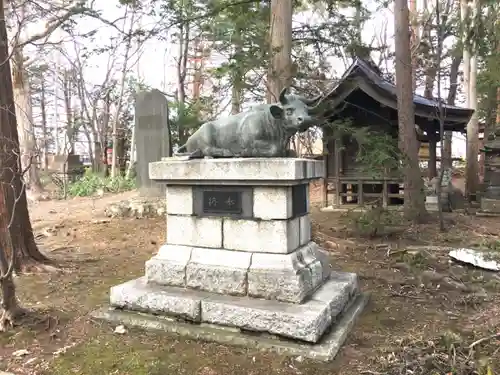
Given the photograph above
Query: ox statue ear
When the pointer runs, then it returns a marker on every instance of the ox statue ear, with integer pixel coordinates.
(282, 98)
(277, 112)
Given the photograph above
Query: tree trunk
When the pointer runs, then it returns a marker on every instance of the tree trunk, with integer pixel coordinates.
(43, 110)
(471, 172)
(24, 113)
(116, 119)
(100, 134)
(414, 41)
(472, 177)
(69, 144)
(446, 155)
(432, 168)
(16, 234)
(279, 75)
(184, 36)
(237, 89)
(414, 204)
(131, 164)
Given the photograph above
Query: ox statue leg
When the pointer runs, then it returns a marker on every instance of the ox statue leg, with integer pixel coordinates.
(217, 152)
(196, 154)
(262, 149)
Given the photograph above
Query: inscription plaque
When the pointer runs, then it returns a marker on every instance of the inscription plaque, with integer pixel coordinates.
(225, 201)
(221, 202)
(299, 200)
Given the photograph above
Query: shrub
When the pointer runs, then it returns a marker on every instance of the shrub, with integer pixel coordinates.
(374, 221)
(92, 183)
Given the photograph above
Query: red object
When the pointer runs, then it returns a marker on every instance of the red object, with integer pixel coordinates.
(109, 154)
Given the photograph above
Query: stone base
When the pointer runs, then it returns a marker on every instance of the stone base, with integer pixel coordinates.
(325, 350)
(306, 322)
(288, 277)
(432, 205)
(490, 206)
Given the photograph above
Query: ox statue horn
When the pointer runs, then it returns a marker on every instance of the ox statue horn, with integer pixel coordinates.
(282, 99)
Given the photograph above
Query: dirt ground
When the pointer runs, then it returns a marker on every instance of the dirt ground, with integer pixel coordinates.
(425, 312)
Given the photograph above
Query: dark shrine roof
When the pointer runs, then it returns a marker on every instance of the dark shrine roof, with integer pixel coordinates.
(362, 76)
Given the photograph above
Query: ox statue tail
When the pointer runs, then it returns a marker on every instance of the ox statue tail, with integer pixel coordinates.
(181, 151)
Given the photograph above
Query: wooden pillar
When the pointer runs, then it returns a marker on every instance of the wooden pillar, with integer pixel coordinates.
(361, 201)
(432, 165)
(385, 190)
(338, 185)
(326, 158)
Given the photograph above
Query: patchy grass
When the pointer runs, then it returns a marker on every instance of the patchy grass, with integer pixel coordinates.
(418, 298)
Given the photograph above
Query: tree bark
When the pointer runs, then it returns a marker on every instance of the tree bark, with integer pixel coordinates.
(67, 84)
(16, 233)
(414, 204)
(414, 41)
(43, 110)
(237, 89)
(470, 72)
(472, 177)
(116, 119)
(279, 75)
(432, 167)
(446, 155)
(184, 35)
(24, 112)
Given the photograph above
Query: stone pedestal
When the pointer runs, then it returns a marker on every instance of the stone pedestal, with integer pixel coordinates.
(238, 251)
(490, 198)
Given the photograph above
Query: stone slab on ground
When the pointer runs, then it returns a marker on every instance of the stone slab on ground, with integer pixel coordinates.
(137, 208)
(306, 322)
(488, 260)
(325, 350)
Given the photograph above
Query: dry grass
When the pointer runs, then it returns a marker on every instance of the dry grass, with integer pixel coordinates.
(415, 321)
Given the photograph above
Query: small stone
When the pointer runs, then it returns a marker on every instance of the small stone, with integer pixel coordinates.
(20, 353)
(432, 276)
(63, 350)
(120, 330)
(30, 361)
(402, 266)
(454, 284)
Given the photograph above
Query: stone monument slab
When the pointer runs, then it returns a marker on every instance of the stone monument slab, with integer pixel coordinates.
(152, 137)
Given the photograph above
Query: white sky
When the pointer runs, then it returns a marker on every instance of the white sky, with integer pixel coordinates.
(157, 59)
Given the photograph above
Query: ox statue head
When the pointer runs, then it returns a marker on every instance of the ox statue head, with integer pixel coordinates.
(295, 110)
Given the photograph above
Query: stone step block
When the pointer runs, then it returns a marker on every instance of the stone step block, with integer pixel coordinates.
(179, 200)
(168, 267)
(138, 295)
(218, 271)
(304, 229)
(262, 236)
(194, 231)
(306, 322)
(337, 292)
(272, 202)
(288, 277)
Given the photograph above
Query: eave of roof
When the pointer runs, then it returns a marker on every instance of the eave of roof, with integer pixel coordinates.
(361, 76)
